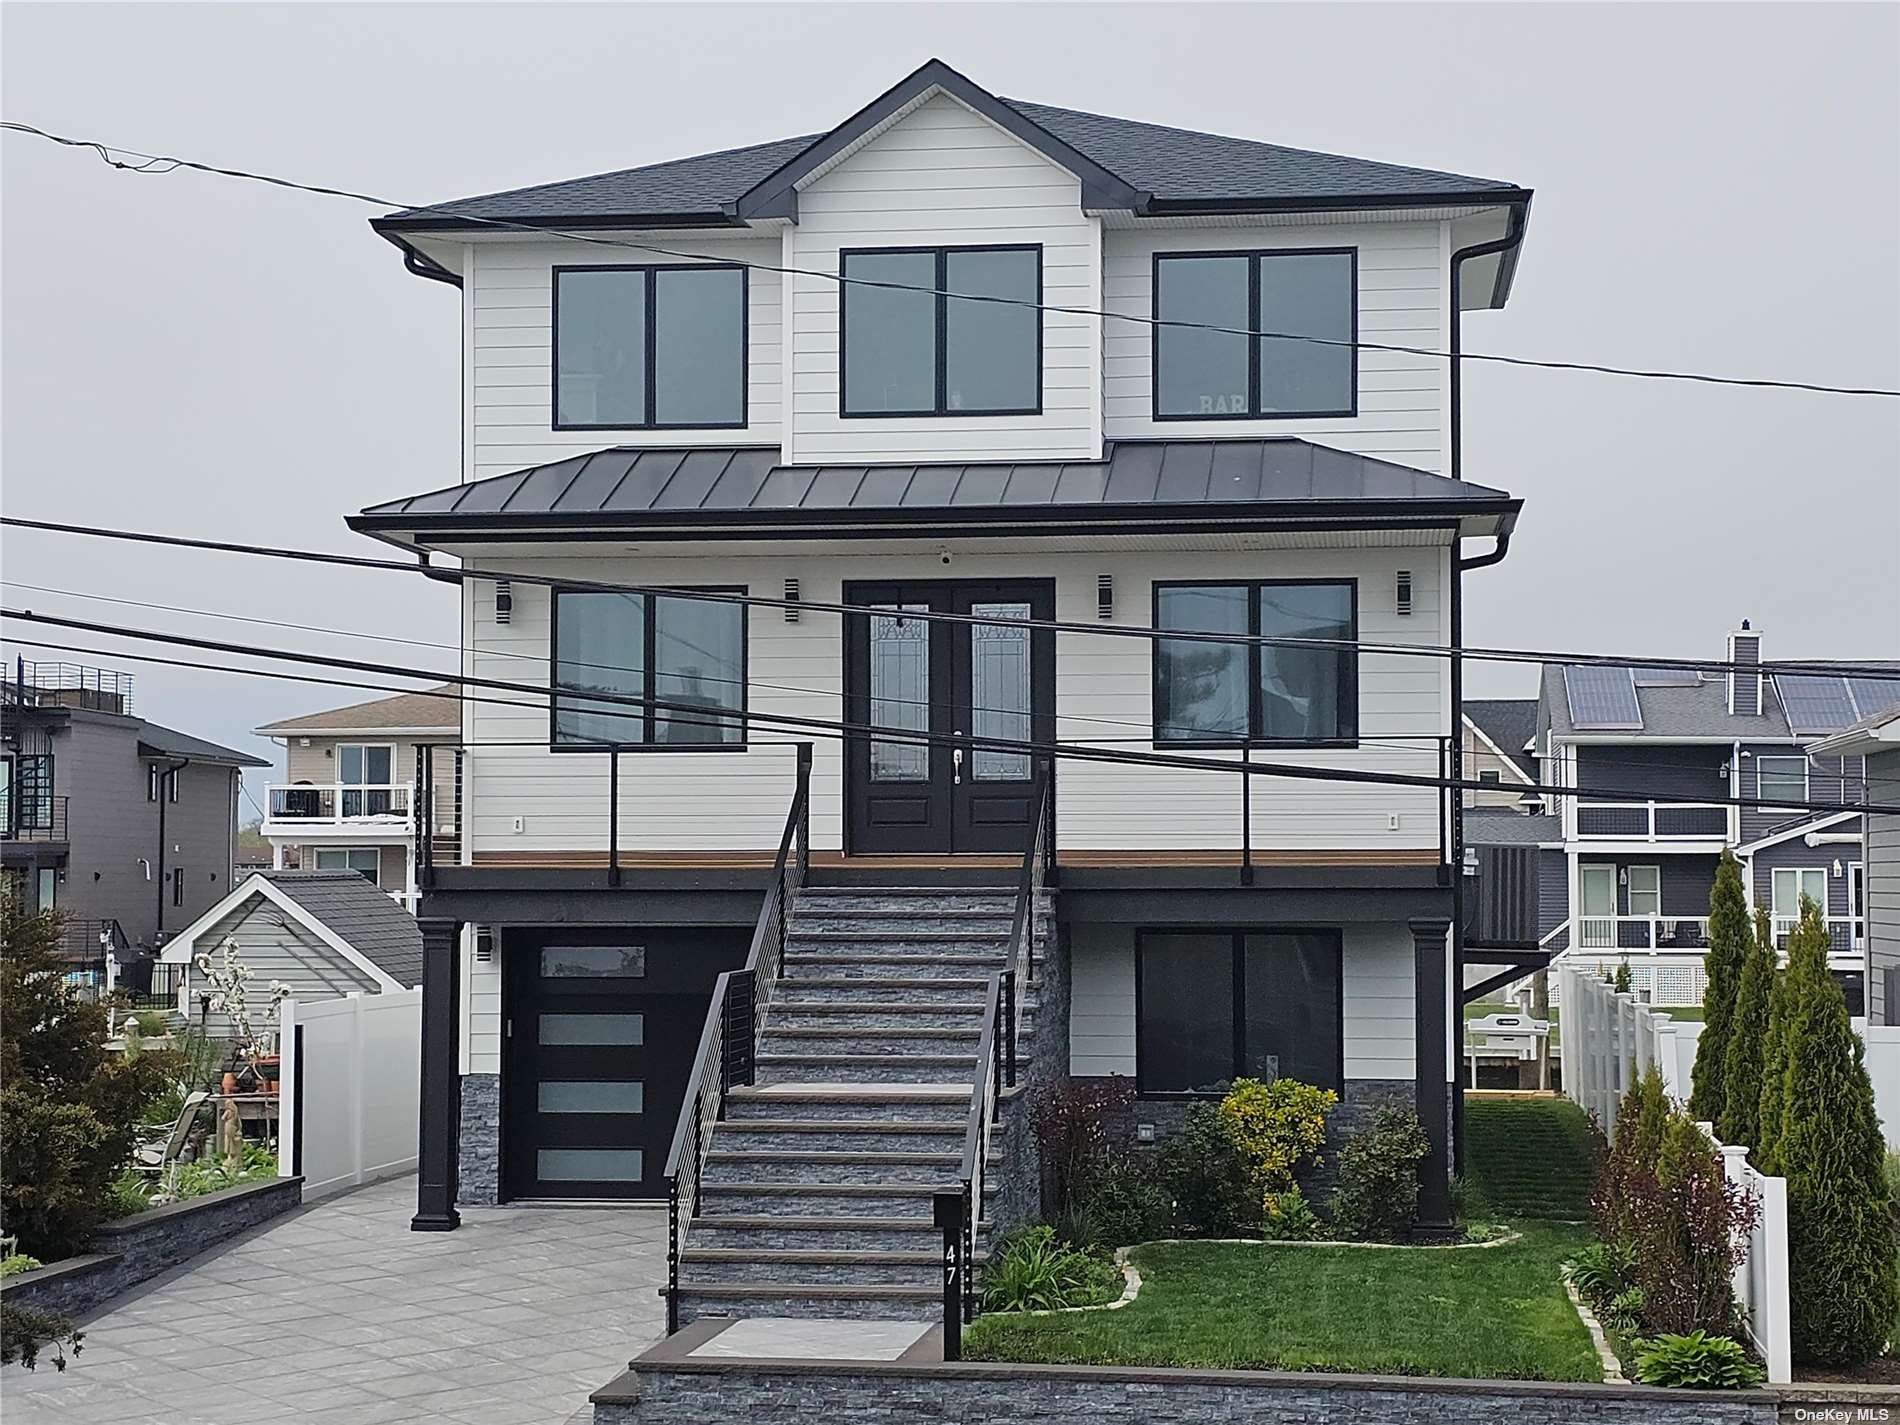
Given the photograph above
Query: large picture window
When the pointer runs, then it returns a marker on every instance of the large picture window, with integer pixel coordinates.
(1214, 371)
(1212, 1007)
(687, 653)
(649, 347)
(1228, 693)
(940, 332)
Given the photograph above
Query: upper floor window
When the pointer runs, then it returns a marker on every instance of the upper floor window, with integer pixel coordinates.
(687, 653)
(1782, 778)
(649, 347)
(943, 333)
(1222, 692)
(1204, 374)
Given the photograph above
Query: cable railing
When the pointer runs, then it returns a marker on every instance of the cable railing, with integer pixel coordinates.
(728, 1042)
(955, 1208)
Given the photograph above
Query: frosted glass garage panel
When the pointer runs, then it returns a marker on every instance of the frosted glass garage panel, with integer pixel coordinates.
(593, 1029)
(574, 1096)
(590, 1165)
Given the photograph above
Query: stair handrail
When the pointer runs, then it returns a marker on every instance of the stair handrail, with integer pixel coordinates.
(956, 1207)
(728, 1041)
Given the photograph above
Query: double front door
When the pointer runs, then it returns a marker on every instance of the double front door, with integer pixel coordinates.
(957, 683)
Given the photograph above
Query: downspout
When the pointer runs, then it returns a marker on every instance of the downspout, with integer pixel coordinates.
(1513, 235)
(164, 796)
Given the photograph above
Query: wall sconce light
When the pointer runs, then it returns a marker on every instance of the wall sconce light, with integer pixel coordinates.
(1402, 594)
(1622, 875)
(1105, 596)
(791, 597)
(504, 601)
(1839, 870)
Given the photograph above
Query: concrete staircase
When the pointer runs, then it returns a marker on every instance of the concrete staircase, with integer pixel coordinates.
(815, 1197)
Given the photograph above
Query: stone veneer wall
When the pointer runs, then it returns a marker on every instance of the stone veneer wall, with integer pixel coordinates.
(1019, 1178)
(677, 1393)
(478, 1157)
(136, 1249)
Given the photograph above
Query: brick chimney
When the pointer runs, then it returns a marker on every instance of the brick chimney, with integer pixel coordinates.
(1744, 684)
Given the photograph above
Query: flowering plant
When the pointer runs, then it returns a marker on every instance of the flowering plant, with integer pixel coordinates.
(228, 976)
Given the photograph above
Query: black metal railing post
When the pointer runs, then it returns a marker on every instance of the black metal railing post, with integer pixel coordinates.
(613, 815)
(1246, 817)
(804, 810)
(1009, 1027)
(947, 1211)
(673, 1256)
(969, 1256)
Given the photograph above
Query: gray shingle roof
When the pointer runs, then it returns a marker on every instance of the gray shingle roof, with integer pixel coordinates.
(1698, 710)
(1501, 826)
(1510, 723)
(746, 484)
(169, 743)
(1169, 165)
(361, 916)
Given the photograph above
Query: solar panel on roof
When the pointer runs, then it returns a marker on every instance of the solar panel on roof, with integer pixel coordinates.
(1661, 675)
(1815, 703)
(1874, 694)
(1602, 697)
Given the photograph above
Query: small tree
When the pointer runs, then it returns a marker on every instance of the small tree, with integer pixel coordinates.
(1740, 1121)
(1641, 1116)
(1728, 947)
(1621, 984)
(1842, 1285)
(1688, 1227)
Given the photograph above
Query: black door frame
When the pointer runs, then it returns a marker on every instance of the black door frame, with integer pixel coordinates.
(950, 826)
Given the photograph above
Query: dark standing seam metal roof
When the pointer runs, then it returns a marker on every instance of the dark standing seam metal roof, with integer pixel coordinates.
(361, 916)
(734, 481)
(1168, 165)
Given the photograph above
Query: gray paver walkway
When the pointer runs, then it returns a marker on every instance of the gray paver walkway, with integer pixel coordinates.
(343, 1316)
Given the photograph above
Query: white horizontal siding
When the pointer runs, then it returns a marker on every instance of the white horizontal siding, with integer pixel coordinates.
(481, 1009)
(736, 800)
(942, 174)
(509, 308)
(1402, 301)
(1376, 989)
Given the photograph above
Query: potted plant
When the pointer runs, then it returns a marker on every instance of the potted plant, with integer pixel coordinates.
(228, 977)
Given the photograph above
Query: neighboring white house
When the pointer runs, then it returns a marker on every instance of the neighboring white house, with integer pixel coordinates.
(348, 801)
(817, 375)
(323, 933)
(1877, 739)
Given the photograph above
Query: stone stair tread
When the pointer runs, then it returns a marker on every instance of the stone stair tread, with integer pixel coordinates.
(851, 937)
(837, 1125)
(871, 957)
(833, 1291)
(817, 1257)
(748, 1221)
(870, 1031)
(972, 983)
(824, 1155)
(923, 1190)
(894, 1061)
(814, 1093)
(872, 1006)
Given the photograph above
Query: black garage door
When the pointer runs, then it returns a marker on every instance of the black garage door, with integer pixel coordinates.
(600, 1028)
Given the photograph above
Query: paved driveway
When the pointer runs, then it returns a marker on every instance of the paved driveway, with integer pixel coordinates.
(340, 1315)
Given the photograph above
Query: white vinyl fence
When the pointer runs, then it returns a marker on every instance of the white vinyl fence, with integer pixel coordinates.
(1608, 1038)
(351, 1087)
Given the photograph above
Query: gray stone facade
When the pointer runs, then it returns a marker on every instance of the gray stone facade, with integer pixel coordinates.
(136, 1249)
(1019, 1177)
(676, 1393)
(478, 1158)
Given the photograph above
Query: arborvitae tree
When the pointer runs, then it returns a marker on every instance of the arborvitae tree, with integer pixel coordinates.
(1740, 1122)
(1843, 1291)
(1621, 984)
(1728, 946)
(1774, 1077)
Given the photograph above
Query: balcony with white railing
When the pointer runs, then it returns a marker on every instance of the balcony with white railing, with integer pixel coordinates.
(298, 808)
(1844, 932)
(1642, 932)
(1651, 821)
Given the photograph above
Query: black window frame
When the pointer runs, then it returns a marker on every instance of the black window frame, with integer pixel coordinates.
(649, 715)
(942, 305)
(1253, 324)
(1348, 664)
(651, 340)
(1237, 936)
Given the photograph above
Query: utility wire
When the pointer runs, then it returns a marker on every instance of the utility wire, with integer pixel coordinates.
(1111, 630)
(1145, 729)
(835, 727)
(134, 161)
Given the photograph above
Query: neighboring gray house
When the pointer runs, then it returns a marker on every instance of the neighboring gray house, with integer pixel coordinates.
(1877, 739)
(126, 827)
(323, 933)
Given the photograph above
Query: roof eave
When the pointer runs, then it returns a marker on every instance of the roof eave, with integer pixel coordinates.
(1346, 202)
(392, 226)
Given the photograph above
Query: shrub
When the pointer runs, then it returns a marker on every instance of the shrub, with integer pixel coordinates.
(1695, 1361)
(1209, 1178)
(68, 1109)
(1640, 1118)
(1032, 1271)
(131, 1194)
(1842, 1283)
(1279, 1127)
(1740, 1119)
(1689, 1229)
(1621, 984)
(1893, 1188)
(25, 1331)
(1121, 1201)
(1072, 1135)
(12, 1266)
(1728, 947)
(1602, 1271)
(1290, 1218)
(1623, 1313)
(189, 1180)
(1377, 1197)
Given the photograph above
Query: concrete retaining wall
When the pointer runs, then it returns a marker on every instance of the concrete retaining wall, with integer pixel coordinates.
(136, 1249)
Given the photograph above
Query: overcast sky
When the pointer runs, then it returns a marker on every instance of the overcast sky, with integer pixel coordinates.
(1718, 188)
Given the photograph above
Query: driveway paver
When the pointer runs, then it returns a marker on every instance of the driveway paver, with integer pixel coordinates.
(341, 1315)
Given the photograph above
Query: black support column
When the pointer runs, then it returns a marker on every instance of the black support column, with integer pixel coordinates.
(441, 1078)
(1430, 994)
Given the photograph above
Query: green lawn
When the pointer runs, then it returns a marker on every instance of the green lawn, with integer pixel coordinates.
(1528, 1157)
(1484, 1312)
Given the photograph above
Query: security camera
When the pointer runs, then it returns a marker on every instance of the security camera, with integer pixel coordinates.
(943, 556)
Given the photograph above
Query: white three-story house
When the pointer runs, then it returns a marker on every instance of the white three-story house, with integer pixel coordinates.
(834, 485)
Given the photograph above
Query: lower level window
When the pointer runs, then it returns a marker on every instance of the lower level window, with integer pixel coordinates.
(1212, 1007)
(366, 861)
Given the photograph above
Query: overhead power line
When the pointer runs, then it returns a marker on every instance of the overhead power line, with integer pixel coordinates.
(135, 161)
(1109, 630)
(790, 724)
(1143, 731)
